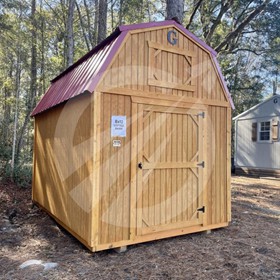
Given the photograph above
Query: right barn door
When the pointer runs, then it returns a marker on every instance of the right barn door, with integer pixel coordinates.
(170, 168)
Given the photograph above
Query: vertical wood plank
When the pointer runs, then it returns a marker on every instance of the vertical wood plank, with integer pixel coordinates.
(121, 68)
(185, 171)
(213, 83)
(208, 76)
(200, 170)
(159, 59)
(180, 74)
(139, 172)
(195, 147)
(128, 166)
(205, 170)
(174, 72)
(214, 172)
(164, 62)
(106, 153)
(169, 132)
(179, 171)
(151, 182)
(128, 63)
(169, 69)
(173, 171)
(163, 140)
(228, 166)
(223, 160)
(96, 169)
(218, 165)
(134, 171)
(147, 53)
(134, 61)
(146, 180)
(157, 183)
(199, 74)
(185, 69)
(119, 178)
(209, 167)
(152, 57)
(189, 178)
(113, 178)
(141, 68)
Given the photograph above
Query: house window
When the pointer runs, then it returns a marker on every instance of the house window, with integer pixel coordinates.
(264, 131)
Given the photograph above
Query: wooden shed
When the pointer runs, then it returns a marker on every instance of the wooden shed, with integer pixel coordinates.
(257, 139)
(132, 142)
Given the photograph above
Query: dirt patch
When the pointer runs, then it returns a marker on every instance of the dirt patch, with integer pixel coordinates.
(248, 249)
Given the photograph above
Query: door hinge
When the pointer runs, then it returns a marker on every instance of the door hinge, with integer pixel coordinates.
(201, 164)
(202, 209)
(202, 114)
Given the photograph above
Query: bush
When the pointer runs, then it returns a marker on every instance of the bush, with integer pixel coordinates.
(22, 174)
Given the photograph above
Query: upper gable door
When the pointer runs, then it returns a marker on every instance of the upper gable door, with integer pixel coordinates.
(170, 168)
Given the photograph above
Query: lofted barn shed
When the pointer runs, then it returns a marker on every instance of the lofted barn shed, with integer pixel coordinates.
(257, 139)
(132, 142)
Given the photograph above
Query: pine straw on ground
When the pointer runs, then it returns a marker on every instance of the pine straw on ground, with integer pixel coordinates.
(248, 249)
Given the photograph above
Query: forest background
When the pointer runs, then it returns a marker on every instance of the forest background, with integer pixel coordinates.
(41, 38)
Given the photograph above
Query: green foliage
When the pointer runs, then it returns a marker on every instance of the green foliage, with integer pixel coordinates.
(22, 174)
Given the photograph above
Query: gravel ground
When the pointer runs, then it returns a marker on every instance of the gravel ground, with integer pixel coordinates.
(248, 249)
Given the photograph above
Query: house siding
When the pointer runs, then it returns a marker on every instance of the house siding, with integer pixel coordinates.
(256, 154)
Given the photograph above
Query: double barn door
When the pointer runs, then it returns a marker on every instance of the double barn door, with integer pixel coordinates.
(170, 166)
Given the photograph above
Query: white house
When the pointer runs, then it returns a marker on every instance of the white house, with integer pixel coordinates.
(257, 141)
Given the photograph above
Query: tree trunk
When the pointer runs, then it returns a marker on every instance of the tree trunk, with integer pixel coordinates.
(33, 80)
(121, 12)
(69, 34)
(18, 74)
(42, 56)
(102, 20)
(91, 21)
(83, 26)
(95, 31)
(175, 9)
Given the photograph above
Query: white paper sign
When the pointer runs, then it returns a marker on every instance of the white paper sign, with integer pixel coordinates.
(118, 126)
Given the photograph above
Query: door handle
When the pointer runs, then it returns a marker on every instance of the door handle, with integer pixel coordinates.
(202, 209)
(140, 165)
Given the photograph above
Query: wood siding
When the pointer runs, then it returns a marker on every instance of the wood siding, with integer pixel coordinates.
(114, 172)
(135, 66)
(218, 182)
(63, 164)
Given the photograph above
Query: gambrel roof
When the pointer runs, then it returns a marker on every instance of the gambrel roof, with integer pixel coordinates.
(84, 75)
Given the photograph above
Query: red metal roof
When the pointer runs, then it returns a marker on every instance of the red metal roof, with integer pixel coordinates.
(84, 75)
